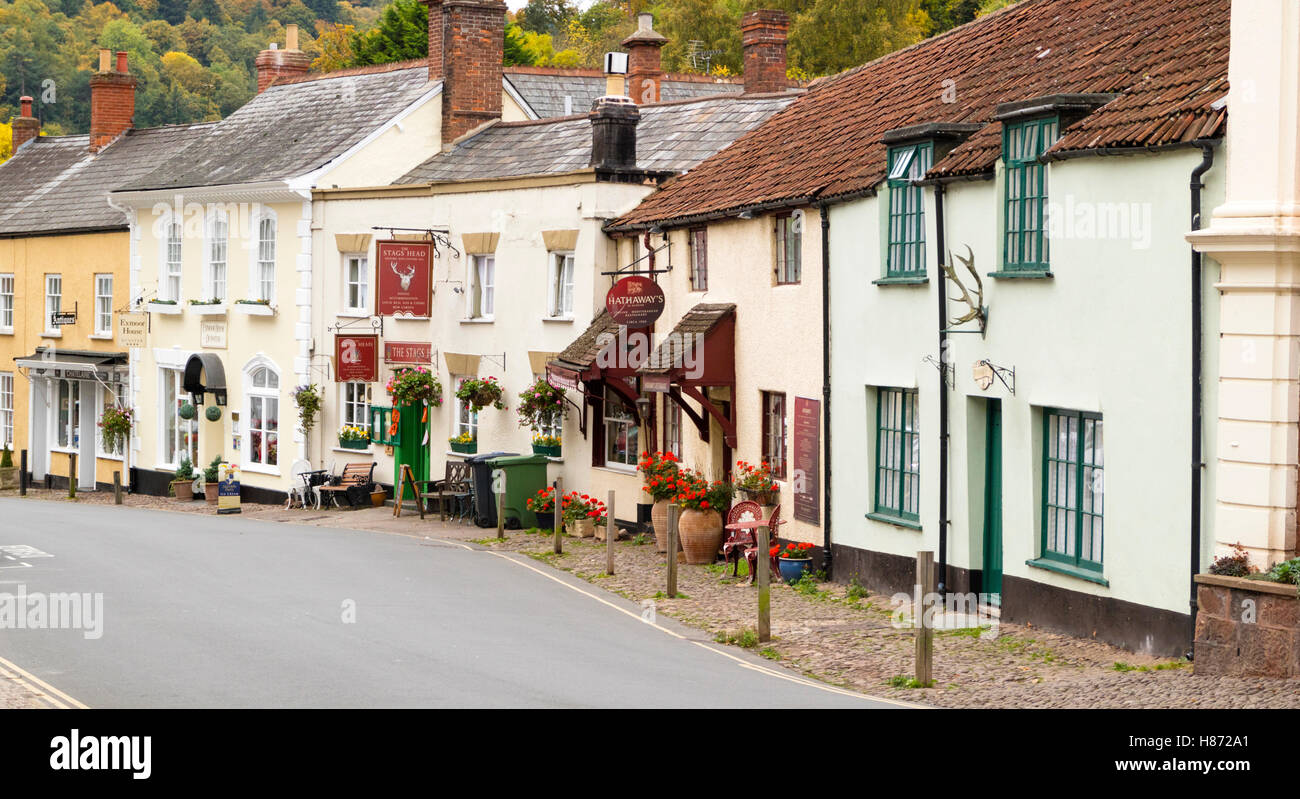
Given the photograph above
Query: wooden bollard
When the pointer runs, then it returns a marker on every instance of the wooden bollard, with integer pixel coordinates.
(674, 518)
(763, 577)
(559, 514)
(117, 487)
(500, 489)
(611, 532)
(924, 633)
(72, 475)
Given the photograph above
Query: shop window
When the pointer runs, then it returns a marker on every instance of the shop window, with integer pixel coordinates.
(262, 385)
(179, 436)
(67, 415)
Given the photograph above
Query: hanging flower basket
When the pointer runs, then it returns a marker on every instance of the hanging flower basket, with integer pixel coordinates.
(540, 406)
(115, 426)
(414, 385)
(308, 400)
(479, 394)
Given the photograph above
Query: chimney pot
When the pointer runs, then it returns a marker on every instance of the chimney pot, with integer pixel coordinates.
(105, 60)
(121, 61)
(26, 103)
(274, 63)
(291, 36)
(645, 70)
(764, 34)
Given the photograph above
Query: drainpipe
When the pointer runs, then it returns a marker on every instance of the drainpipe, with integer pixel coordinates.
(824, 210)
(942, 587)
(1207, 161)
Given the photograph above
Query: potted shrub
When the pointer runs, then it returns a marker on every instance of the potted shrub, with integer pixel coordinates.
(659, 470)
(543, 504)
(307, 399)
(211, 475)
(793, 560)
(755, 483)
(541, 407)
(479, 394)
(354, 437)
(465, 443)
(700, 525)
(8, 473)
(183, 480)
(546, 445)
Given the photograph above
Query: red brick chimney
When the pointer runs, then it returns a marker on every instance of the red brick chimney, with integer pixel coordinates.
(473, 41)
(644, 73)
(25, 126)
(112, 101)
(436, 32)
(764, 34)
(275, 63)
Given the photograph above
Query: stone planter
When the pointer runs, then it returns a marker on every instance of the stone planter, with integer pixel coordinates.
(599, 531)
(582, 528)
(701, 533)
(9, 477)
(183, 489)
(1246, 628)
(659, 521)
(210, 492)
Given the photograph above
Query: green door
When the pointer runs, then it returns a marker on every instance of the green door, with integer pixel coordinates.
(993, 504)
(412, 442)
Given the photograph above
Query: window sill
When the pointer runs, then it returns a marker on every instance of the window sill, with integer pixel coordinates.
(258, 468)
(480, 320)
(354, 313)
(627, 471)
(51, 334)
(367, 452)
(254, 309)
(6, 331)
(894, 520)
(563, 319)
(165, 309)
(101, 336)
(901, 280)
(1069, 571)
(104, 456)
(1022, 274)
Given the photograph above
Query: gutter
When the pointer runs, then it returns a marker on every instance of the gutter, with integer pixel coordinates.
(824, 210)
(1198, 465)
(939, 192)
(695, 219)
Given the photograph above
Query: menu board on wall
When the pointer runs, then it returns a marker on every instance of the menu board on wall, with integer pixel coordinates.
(807, 460)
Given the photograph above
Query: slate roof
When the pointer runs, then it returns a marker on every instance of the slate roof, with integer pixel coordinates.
(582, 353)
(544, 88)
(53, 184)
(698, 321)
(1166, 59)
(671, 137)
(290, 129)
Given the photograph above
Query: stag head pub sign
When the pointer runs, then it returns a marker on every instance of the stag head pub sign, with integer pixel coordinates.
(404, 278)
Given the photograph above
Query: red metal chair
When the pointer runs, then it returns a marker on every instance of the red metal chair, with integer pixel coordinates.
(738, 540)
(751, 551)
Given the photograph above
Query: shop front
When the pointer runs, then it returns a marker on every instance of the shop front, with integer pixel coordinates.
(68, 391)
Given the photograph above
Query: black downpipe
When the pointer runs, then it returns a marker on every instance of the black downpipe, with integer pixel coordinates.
(942, 277)
(827, 555)
(1207, 161)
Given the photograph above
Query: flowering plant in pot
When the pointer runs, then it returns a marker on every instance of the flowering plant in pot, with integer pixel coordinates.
(702, 502)
(793, 559)
(465, 443)
(541, 407)
(413, 386)
(659, 470)
(353, 436)
(756, 482)
(115, 426)
(547, 445)
(543, 504)
(479, 394)
(580, 512)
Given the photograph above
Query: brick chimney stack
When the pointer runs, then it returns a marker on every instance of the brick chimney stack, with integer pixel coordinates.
(274, 63)
(644, 72)
(437, 30)
(112, 101)
(473, 43)
(764, 34)
(25, 126)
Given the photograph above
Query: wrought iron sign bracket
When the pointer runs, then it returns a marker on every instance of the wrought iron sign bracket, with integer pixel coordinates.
(945, 369)
(375, 323)
(493, 358)
(1005, 376)
(439, 236)
(631, 269)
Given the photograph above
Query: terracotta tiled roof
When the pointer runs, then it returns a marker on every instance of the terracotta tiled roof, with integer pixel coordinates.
(1166, 60)
(581, 354)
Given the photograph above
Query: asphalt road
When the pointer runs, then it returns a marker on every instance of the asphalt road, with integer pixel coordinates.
(207, 611)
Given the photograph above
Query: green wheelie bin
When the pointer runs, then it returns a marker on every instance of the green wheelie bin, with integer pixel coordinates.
(525, 475)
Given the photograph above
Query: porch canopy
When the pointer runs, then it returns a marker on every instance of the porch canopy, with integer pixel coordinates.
(204, 372)
(596, 356)
(73, 364)
(698, 354)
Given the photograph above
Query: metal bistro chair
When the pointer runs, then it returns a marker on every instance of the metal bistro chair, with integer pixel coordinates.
(306, 480)
(751, 551)
(739, 538)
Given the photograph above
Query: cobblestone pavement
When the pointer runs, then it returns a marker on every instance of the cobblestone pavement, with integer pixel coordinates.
(840, 635)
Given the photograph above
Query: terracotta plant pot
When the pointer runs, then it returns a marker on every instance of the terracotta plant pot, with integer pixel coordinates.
(377, 498)
(659, 521)
(183, 489)
(583, 528)
(701, 532)
(210, 493)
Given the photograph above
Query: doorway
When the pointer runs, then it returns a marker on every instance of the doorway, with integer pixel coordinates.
(992, 579)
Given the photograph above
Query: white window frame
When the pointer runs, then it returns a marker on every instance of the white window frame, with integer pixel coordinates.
(465, 420)
(104, 305)
(358, 289)
(171, 269)
(559, 291)
(265, 394)
(349, 402)
(216, 251)
(481, 291)
(171, 393)
(262, 261)
(7, 409)
(53, 301)
(624, 418)
(7, 283)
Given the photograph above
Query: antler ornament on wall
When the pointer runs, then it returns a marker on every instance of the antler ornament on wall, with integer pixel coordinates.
(978, 311)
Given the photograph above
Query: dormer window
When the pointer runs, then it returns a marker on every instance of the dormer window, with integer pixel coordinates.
(1023, 144)
(907, 164)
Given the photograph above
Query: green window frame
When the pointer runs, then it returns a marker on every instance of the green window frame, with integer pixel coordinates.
(381, 418)
(906, 252)
(1073, 489)
(898, 454)
(1025, 245)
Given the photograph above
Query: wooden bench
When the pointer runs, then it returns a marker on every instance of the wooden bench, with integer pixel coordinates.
(353, 484)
